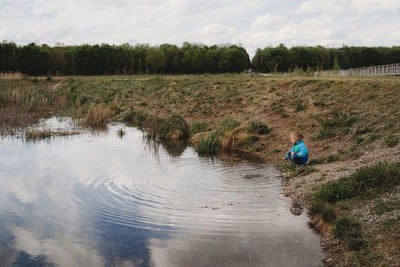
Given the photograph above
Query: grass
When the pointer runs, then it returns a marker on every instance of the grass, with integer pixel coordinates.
(391, 141)
(349, 229)
(382, 207)
(379, 177)
(198, 127)
(256, 127)
(336, 122)
(97, 117)
(37, 135)
(174, 127)
(209, 145)
(227, 124)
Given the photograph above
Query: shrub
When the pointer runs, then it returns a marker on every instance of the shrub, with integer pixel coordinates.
(256, 127)
(348, 229)
(209, 145)
(174, 127)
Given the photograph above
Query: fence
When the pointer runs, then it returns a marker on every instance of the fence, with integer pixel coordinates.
(383, 70)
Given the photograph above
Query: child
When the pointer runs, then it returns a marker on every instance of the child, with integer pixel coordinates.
(299, 152)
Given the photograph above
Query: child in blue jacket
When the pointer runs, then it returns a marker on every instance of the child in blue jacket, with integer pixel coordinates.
(299, 152)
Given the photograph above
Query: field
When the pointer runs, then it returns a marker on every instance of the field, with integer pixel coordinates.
(351, 126)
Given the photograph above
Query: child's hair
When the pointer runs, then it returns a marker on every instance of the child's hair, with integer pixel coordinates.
(297, 135)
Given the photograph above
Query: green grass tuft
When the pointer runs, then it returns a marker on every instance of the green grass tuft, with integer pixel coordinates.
(256, 127)
(174, 127)
(209, 145)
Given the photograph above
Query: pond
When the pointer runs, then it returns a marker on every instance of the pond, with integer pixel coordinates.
(103, 199)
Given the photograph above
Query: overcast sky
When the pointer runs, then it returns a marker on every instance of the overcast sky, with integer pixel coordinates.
(251, 23)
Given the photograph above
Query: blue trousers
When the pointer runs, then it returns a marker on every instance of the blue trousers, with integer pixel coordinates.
(296, 159)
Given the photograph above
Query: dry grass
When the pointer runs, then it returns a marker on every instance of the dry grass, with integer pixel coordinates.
(12, 76)
(97, 117)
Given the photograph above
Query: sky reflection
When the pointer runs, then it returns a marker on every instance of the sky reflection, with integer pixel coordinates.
(99, 200)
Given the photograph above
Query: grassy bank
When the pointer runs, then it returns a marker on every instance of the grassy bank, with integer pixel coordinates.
(348, 124)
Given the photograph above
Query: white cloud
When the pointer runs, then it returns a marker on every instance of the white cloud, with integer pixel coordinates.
(253, 23)
(347, 6)
(269, 21)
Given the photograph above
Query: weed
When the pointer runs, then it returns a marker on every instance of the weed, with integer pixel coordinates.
(174, 127)
(256, 127)
(209, 145)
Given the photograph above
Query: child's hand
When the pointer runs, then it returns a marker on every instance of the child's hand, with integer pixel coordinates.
(283, 158)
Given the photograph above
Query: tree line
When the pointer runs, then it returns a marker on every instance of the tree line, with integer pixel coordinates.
(190, 58)
(102, 59)
(282, 59)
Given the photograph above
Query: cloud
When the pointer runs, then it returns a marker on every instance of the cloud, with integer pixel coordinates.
(347, 6)
(253, 23)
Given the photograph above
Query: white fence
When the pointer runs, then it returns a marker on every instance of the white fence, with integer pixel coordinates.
(383, 70)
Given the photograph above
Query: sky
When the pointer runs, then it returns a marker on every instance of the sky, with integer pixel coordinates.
(250, 23)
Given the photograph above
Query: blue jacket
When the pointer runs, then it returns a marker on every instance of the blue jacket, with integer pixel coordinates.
(301, 151)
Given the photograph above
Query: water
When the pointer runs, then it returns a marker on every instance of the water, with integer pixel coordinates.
(96, 199)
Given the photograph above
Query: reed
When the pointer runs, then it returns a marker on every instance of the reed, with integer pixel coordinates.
(97, 117)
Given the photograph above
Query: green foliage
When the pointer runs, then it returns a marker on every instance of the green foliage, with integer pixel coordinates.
(379, 177)
(174, 127)
(198, 127)
(102, 59)
(209, 145)
(256, 127)
(348, 229)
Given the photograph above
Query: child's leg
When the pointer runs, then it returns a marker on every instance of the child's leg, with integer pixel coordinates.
(297, 160)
